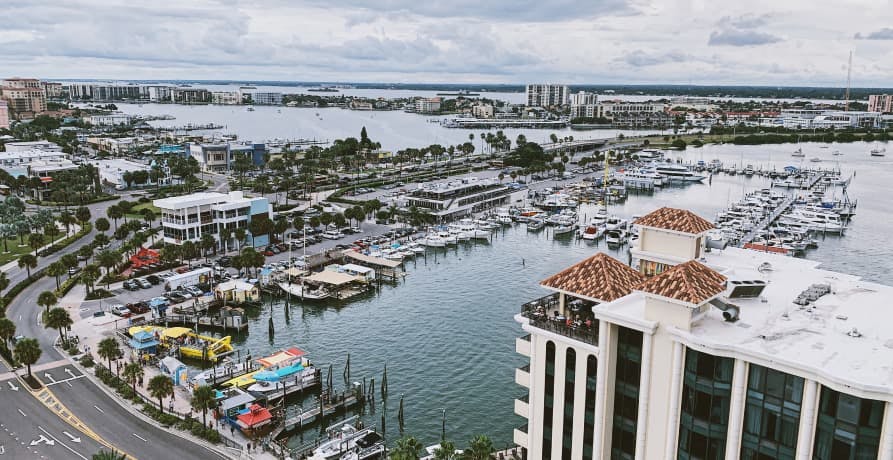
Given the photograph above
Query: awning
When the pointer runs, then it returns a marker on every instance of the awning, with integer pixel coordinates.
(377, 261)
(254, 417)
(333, 278)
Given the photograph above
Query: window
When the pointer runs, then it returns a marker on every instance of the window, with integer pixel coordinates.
(568, 425)
(706, 394)
(848, 428)
(548, 400)
(771, 414)
(626, 393)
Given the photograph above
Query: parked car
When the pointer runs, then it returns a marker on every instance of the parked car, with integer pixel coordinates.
(144, 283)
(196, 292)
(332, 234)
(138, 307)
(120, 310)
(268, 253)
(225, 261)
(154, 279)
(131, 285)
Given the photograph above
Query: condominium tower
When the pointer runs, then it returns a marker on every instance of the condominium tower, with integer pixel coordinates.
(546, 95)
(700, 353)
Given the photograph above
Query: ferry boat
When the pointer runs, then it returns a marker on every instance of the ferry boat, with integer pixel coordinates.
(188, 343)
(678, 173)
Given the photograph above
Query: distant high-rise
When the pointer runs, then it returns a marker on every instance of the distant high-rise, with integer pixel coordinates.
(546, 95)
(4, 114)
(25, 96)
(880, 103)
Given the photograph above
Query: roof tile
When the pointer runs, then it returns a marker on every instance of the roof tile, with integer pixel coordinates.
(679, 220)
(599, 277)
(690, 282)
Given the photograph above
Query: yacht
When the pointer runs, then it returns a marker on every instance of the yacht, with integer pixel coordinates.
(468, 227)
(615, 223)
(615, 237)
(637, 178)
(563, 230)
(504, 217)
(678, 173)
(600, 217)
(433, 241)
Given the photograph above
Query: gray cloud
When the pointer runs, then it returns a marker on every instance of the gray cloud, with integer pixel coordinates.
(738, 37)
(747, 21)
(639, 58)
(885, 33)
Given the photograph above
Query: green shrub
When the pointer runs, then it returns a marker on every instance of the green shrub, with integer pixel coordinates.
(87, 360)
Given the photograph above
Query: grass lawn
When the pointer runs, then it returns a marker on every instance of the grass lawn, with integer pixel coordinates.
(135, 212)
(14, 250)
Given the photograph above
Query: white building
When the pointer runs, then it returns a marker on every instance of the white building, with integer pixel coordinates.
(546, 95)
(719, 354)
(4, 114)
(266, 98)
(610, 109)
(111, 170)
(158, 93)
(482, 111)
(427, 104)
(459, 198)
(111, 119)
(188, 217)
(17, 157)
(31, 145)
(880, 103)
(226, 97)
(583, 98)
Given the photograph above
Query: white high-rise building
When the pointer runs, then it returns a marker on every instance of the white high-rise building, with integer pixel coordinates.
(705, 353)
(546, 95)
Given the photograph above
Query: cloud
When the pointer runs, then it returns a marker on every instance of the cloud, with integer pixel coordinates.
(747, 21)
(639, 58)
(737, 37)
(885, 33)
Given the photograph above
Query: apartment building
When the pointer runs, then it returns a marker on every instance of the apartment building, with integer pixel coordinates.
(189, 95)
(111, 119)
(699, 353)
(546, 95)
(482, 111)
(583, 98)
(427, 104)
(266, 98)
(104, 92)
(189, 217)
(226, 97)
(880, 103)
(25, 97)
(220, 157)
(4, 114)
(51, 90)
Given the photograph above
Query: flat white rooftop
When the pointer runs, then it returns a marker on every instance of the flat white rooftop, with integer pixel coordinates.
(816, 341)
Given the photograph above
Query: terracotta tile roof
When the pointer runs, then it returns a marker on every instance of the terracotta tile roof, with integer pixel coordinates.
(690, 282)
(679, 220)
(599, 277)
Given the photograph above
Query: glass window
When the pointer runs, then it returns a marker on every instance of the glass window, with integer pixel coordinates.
(706, 392)
(848, 427)
(548, 400)
(771, 414)
(589, 419)
(626, 393)
(568, 425)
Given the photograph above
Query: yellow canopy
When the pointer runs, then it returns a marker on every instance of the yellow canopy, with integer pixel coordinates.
(174, 332)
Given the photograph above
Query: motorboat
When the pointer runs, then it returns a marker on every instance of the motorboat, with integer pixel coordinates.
(641, 178)
(591, 233)
(798, 153)
(878, 152)
(282, 363)
(600, 217)
(504, 217)
(534, 225)
(468, 227)
(678, 173)
(304, 291)
(815, 160)
(433, 241)
(615, 237)
(562, 230)
(836, 153)
(346, 440)
(616, 223)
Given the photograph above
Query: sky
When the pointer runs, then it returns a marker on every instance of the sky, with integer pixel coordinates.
(755, 42)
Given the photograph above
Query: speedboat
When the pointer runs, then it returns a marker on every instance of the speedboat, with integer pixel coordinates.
(534, 225)
(591, 233)
(345, 441)
(798, 153)
(876, 152)
(304, 291)
(615, 237)
(563, 230)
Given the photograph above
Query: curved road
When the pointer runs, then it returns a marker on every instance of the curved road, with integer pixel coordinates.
(90, 404)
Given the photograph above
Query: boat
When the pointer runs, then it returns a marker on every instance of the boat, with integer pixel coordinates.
(275, 362)
(798, 153)
(878, 152)
(504, 217)
(283, 370)
(641, 178)
(615, 223)
(468, 227)
(615, 237)
(188, 343)
(431, 453)
(678, 173)
(591, 233)
(344, 440)
(433, 241)
(836, 153)
(563, 230)
(815, 160)
(250, 109)
(304, 291)
(534, 225)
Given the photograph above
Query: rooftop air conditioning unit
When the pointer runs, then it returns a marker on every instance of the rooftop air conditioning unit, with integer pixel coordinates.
(745, 289)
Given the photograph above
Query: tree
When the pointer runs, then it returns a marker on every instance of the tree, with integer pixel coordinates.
(133, 372)
(160, 386)
(207, 244)
(226, 234)
(4, 281)
(36, 241)
(82, 214)
(90, 275)
(241, 234)
(108, 259)
(7, 329)
(480, 448)
(407, 448)
(102, 224)
(85, 252)
(114, 213)
(203, 400)
(446, 450)
(47, 299)
(108, 349)
(108, 455)
(56, 270)
(28, 261)
(27, 352)
(59, 319)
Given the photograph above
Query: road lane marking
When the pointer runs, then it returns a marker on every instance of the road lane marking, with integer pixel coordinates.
(72, 438)
(49, 377)
(12, 386)
(23, 414)
(66, 380)
(63, 444)
(97, 408)
(139, 437)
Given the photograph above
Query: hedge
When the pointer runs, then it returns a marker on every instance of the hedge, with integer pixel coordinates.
(98, 199)
(67, 285)
(87, 228)
(18, 288)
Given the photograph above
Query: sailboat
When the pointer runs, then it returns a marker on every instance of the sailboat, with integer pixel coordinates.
(798, 153)
(878, 152)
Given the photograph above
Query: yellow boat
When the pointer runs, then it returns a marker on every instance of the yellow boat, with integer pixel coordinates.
(242, 380)
(190, 344)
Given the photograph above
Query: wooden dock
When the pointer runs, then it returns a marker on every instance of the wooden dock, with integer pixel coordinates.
(297, 417)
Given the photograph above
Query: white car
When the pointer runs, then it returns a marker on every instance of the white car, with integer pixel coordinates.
(332, 234)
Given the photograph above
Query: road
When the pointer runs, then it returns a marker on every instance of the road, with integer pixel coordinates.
(30, 430)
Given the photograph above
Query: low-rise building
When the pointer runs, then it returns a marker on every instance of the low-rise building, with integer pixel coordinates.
(705, 353)
(482, 111)
(220, 157)
(189, 95)
(22, 156)
(111, 119)
(4, 114)
(189, 217)
(427, 105)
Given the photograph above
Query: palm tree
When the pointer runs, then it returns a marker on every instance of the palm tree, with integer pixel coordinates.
(480, 448)
(47, 299)
(56, 270)
(28, 261)
(160, 386)
(89, 276)
(108, 349)
(446, 451)
(114, 213)
(108, 259)
(27, 352)
(203, 400)
(7, 329)
(407, 448)
(59, 319)
(240, 236)
(108, 455)
(226, 234)
(36, 241)
(133, 373)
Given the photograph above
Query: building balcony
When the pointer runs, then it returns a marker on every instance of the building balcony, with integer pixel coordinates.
(520, 437)
(522, 345)
(522, 376)
(522, 406)
(574, 320)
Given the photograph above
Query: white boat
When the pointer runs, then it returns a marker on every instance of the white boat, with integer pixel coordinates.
(416, 247)
(468, 227)
(815, 160)
(836, 153)
(877, 152)
(591, 233)
(447, 237)
(798, 153)
(641, 178)
(599, 218)
(433, 241)
(534, 225)
(504, 217)
(563, 230)
(346, 440)
(391, 254)
(304, 291)
(678, 173)
(615, 223)
(615, 237)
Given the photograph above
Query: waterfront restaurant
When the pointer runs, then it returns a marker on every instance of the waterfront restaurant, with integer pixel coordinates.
(460, 198)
